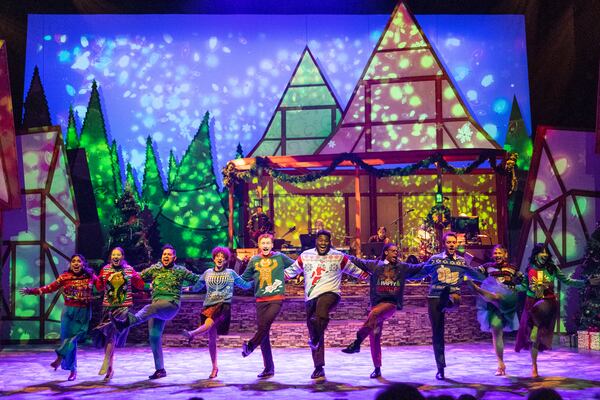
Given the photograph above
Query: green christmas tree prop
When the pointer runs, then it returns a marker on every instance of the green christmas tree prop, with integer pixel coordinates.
(152, 233)
(172, 168)
(115, 156)
(72, 138)
(100, 160)
(36, 112)
(128, 230)
(517, 139)
(153, 192)
(192, 217)
(132, 185)
(590, 298)
(239, 152)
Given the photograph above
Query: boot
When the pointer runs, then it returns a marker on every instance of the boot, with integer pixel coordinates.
(353, 347)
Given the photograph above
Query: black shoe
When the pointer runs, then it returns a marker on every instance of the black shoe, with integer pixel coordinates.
(159, 373)
(440, 374)
(352, 348)
(318, 373)
(247, 349)
(267, 373)
(376, 373)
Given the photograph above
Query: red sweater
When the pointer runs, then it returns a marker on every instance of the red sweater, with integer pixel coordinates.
(76, 290)
(117, 284)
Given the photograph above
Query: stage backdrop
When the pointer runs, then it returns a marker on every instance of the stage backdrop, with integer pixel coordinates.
(159, 74)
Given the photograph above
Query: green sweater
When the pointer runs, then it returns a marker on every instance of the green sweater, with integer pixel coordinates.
(167, 283)
(267, 273)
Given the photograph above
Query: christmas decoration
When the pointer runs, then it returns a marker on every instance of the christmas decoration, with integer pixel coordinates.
(36, 113)
(192, 217)
(131, 183)
(590, 296)
(153, 192)
(129, 231)
(517, 138)
(433, 217)
(72, 137)
(172, 168)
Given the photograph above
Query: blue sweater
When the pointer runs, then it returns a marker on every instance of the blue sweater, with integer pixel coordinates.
(447, 271)
(219, 285)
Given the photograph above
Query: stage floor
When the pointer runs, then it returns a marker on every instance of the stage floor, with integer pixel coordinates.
(471, 367)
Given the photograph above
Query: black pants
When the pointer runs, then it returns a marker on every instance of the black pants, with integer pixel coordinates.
(437, 317)
(266, 312)
(317, 318)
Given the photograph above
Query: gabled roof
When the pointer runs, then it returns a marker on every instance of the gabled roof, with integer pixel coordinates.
(306, 115)
(405, 99)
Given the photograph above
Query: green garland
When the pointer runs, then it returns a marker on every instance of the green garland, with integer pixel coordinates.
(232, 176)
(432, 217)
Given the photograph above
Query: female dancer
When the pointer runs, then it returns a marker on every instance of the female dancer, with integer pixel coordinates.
(76, 286)
(117, 280)
(497, 307)
(216, 313)
(541, 307)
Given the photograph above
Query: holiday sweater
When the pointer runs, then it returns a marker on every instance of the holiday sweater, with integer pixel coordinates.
(168, 282)
(323, 274)
(219, 285)
(76, 289)
(267, 274)
(447, 271)
(387, 280)
(505, 274)
(118, 283)
(539, 283)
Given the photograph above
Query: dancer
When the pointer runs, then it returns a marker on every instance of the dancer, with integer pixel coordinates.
(541, 307)
(76, 286)
(167, 280)
(117, 279)
(497, 306)
(322, 268)
(216, 314)
(388, 276)
(447, 270)
(266, 269)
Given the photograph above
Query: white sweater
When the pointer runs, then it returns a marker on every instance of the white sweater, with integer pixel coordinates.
(323, 274)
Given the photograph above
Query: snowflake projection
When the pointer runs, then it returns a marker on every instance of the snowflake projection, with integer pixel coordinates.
(331, 144)
(464, 134)
(159, 82)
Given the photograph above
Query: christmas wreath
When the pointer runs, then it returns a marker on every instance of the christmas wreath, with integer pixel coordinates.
(432, 218)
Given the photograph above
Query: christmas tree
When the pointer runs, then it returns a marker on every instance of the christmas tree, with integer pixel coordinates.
(517, 139)
(192, 217)
(129, 231)
(131, 183)
(116, 163)
(152, 232)
(153, 192)
(100, 159)
(590, 298)
(72, 138)
(36, 113)
(172, 169)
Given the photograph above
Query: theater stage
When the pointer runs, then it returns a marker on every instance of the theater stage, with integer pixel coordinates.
(26, 371)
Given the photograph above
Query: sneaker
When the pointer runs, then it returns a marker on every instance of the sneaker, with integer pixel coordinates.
(159, 373)
(353, 347)
(187, 335)
(318, 373)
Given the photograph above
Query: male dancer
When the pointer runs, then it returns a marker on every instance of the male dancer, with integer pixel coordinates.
(447, 270)
(167, 282)
(388, 276)
(266, 269)
(323, 268)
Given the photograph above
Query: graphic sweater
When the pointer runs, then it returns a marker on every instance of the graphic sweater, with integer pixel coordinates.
(540, 283)
(168, 282)
(268, 276)
(219, 285)
(505, 274)
(76, 289)
(445, 270)
(118, 283)
(323, 274)
(387, 280)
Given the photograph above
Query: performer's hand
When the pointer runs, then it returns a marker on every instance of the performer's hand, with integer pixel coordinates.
(595, 281)
(28, 291)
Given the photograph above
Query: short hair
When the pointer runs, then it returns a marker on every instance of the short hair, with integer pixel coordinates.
(447, 235)
(223, 250)
(324, 232)
(265, 236)
(382, 227)
(168, 246)
(385, 248)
